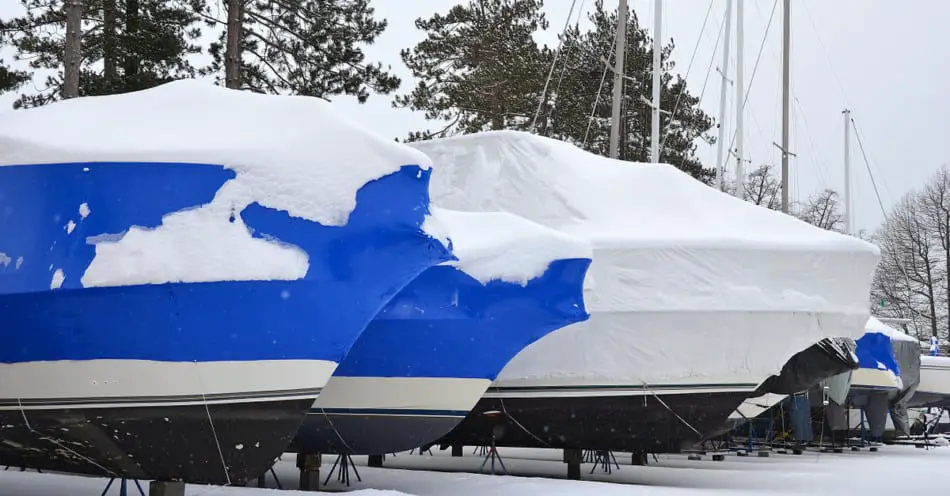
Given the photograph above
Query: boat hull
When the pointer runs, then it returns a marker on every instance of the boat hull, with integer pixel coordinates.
(174, 442)
(376, 415)
(128, 378)
(393, 393)
(934, 387)
(630, 419)
(867, 380)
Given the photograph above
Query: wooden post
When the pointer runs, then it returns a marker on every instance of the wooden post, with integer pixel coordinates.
(572, 457)
(166, 488)
(309, 466)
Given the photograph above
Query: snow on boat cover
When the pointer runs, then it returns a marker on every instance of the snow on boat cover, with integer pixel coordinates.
(184, 267)
(514, 282)
(690, 290)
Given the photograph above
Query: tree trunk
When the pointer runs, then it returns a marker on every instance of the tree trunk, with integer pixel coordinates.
(131, 61)
(233, 54)
(946, 261)
(109, 54)
(72, 56)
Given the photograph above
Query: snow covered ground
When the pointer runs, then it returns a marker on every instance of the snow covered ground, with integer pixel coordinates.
(894, 468)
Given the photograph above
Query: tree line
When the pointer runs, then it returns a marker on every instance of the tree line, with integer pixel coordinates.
(478, 67)
(913, 279)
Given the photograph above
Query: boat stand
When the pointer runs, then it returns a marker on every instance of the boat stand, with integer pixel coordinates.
(497, 431)
(605, 460)
(123, 487)
(262, 480)
(22, 469)
(492, 456)
(345, 463)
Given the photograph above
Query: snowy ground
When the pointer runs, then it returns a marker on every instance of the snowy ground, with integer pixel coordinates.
(894, 468)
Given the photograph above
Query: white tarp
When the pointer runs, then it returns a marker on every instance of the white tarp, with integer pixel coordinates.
(875, 325)
(688, 286)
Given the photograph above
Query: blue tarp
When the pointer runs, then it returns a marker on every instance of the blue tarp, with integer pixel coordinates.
(447, 324)
(875, 351)
(354, 269)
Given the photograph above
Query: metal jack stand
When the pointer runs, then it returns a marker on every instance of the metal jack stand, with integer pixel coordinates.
(604, 459)
(345, 462)
(123, 487)
(262, 480)
(497, 432)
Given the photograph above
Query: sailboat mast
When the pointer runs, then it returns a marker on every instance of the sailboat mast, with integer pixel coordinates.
(786, 37)
(618, 80)
(848, 224)
(657, 82)
(724, 71)
(740, 100)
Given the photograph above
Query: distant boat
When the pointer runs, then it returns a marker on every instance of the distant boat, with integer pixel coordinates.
(934, 388)
(181, 271)
(878, 369)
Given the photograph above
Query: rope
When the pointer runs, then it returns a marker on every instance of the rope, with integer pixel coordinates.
(567, 58)
(755, 68)
(214, 432)
(811, 142)
(877, 193)
(335, 431)
(600, 88)
(525, 429)
(689, 67)
(825, 51)
(712, 58)
(681, 419)
(867, 165)
(557, 55)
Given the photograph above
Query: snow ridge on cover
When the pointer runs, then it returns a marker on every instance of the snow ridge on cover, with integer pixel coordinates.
(687, 285)
(501, 246)
(875, 325)
(288, 151)
(291, 154)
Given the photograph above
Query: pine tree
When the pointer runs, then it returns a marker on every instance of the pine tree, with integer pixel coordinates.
(304, 47)
(575, 117)
(11, 79)
(479, 67)
(127, 45)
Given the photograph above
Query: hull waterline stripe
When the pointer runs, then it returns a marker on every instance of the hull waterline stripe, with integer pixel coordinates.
(134, 400)
(388, 412)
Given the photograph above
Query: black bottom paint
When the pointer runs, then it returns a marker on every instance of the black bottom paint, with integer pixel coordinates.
(369, 434)
(616, 423)
(931, 400)
(153, 442)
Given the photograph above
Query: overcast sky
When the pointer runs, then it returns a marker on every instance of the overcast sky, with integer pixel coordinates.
(886, 60)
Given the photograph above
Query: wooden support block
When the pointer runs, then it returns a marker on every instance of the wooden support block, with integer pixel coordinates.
(165, 488)
(309, 466)
(573, 457)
